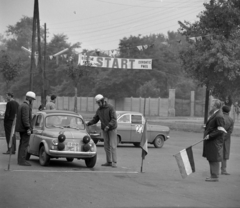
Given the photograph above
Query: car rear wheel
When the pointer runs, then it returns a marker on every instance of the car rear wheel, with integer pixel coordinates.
(158, 142)
(69, 159)
(90, 162)
(44, 158)
(136, 144)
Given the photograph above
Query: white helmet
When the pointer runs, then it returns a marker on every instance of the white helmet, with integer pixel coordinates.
(98, 97)
(31, 95)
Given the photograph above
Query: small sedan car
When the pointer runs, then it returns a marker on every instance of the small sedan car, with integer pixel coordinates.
(61, 134)
(130, 129)
(2, 109)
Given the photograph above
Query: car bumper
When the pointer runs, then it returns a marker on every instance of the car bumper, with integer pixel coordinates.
(56, 153)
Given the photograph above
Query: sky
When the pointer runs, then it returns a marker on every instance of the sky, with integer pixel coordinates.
(100, 24)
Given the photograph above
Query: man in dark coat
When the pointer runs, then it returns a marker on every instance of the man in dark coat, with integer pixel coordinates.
(213, 143)
(11, 111)
(229, 124)
(24, 127)
(107, 115)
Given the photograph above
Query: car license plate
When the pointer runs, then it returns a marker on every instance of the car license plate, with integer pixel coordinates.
(72, 146)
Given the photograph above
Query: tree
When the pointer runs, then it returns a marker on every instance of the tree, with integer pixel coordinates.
(212, 56)
(9, 68)
(75, 73)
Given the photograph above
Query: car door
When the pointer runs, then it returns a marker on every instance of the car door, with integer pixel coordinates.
(136, 127)
(124, 127)
(37, 132)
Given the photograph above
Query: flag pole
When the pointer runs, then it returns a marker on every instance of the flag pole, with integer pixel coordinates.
(11, 140)
(193, 145)
(142, 165)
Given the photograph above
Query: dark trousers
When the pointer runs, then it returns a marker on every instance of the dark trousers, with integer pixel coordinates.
(24, 140)
(214, 169)
(8, 129)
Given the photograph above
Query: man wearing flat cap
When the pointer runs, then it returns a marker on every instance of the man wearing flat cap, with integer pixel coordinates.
(229, 124)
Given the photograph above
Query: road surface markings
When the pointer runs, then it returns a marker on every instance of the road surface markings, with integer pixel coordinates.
(76, 171)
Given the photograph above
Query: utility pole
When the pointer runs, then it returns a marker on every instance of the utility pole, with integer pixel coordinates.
(40, 54)
(206, 105)
(33, 46)
(44, 67)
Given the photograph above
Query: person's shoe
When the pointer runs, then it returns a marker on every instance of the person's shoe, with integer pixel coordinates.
(107, 164)
(6, 153)
(225, 173)
(24, 164)
(114, 165)
(211, 179)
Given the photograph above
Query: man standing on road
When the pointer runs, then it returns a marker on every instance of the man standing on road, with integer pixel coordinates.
(11, 111)
(51, 104)
(213, 143)
(229, 124)
(107, 115)
(24, 127)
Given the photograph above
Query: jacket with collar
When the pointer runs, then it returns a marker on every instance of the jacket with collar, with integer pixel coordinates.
(107, 115)
(213, 147)
(24, 117)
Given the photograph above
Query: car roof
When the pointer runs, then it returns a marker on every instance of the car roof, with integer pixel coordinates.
(130, 112)
(57, 111)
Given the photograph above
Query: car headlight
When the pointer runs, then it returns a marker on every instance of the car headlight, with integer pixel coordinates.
(61, 137)
(86, 147)
(86, 139)
(61, 146)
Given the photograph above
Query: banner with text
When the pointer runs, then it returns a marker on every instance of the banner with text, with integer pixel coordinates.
(114, 63)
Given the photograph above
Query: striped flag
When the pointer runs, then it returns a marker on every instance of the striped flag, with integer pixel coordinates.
(144, 141)
(12, 131)
(185, 162)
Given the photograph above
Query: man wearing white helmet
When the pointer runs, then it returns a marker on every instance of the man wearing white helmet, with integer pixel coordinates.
(107, 115)
(24, 127)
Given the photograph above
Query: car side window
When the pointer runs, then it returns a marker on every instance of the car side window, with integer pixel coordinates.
(34, 120)
(39, 121)
(124, 119)
(136, 119)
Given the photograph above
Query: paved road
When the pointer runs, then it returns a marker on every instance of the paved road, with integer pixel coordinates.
(72, 185)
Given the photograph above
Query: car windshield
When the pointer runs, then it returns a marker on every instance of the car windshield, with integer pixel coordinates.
(64, 121)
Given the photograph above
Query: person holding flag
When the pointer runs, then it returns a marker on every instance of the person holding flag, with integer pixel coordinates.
(213, 141)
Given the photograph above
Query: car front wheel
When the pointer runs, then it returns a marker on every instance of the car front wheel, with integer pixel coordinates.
(158, 142)
(90, 162)
(44, 158)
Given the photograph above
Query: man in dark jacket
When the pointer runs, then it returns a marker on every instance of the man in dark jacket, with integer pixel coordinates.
(24, 127)
(107, 115)
(213, 143)
(229, 124)
(11, 111)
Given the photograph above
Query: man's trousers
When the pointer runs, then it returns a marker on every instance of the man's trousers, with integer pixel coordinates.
(214, 169)
(24, 140)
(8, 129)
(110, 145)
